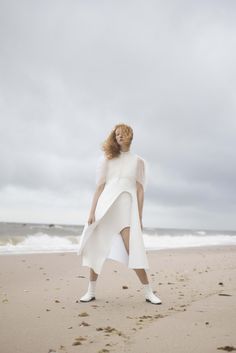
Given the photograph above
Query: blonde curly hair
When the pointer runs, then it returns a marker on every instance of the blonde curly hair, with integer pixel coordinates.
(111, 147)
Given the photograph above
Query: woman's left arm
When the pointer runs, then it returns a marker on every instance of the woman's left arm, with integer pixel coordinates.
(140, 198)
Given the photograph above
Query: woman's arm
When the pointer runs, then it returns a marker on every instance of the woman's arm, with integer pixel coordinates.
(140, 198)
(96, 196)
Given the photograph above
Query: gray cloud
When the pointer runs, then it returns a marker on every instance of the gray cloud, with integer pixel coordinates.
(71, 71)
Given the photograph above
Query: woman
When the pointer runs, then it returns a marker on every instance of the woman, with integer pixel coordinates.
(114, 228)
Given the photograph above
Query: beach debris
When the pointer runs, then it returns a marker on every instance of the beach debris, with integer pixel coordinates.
(225, 295)
(109, 329)
(69, 328)
(221, 283)
(5, 300)
(83, 323)
(146, 317)
(124, 287)
(51, 350)
(104, 350)
(157, 316)
(26, 290)
(80, 276)
(84, 313)
(57, 301)
(48, 310)
(227, 348)
(78, 341)
(207, 323)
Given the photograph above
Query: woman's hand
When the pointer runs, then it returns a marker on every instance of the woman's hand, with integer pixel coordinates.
(91, 218)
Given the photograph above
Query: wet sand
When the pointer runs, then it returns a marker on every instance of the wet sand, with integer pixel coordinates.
(40, 309)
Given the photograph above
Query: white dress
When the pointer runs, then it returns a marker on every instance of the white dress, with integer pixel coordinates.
(117, 208)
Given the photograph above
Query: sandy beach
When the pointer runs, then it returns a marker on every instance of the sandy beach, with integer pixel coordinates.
(40, 310)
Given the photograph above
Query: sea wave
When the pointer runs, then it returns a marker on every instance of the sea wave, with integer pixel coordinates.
(45, 243)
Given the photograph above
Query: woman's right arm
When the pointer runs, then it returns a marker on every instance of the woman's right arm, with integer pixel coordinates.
(96, 196)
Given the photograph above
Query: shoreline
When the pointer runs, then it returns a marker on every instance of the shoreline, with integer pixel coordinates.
(40, 309)
(187, 248)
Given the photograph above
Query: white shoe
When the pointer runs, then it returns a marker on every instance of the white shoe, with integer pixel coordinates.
(152, 298)
(90, 294)
(87, 297)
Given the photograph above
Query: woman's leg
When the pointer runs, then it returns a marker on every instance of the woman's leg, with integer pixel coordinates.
(93, 275)
(141, 273)
(90, 294)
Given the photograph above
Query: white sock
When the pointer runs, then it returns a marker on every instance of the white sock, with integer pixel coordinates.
(147, 288)
(92, 287)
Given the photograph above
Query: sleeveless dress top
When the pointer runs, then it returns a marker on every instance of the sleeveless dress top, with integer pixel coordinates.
(117, 208)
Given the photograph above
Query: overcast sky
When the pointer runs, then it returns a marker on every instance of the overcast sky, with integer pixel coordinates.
(71, 70)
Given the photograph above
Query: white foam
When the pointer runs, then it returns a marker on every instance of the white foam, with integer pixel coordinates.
(184, 241)
(39, 243)
(44, 243)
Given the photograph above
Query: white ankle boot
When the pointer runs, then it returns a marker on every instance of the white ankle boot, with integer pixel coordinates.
(90, 294)
(150, 296)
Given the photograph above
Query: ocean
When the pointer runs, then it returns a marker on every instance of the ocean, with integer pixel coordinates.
(30, 238)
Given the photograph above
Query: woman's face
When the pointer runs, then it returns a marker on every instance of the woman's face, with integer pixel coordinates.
(121, 137)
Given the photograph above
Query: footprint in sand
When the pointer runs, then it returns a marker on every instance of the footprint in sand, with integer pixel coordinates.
(62, 347)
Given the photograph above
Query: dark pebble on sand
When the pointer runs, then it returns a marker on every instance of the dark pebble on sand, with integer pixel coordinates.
(227, 348)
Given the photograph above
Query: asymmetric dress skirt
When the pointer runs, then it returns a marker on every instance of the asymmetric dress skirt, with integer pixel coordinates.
(117, 217)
